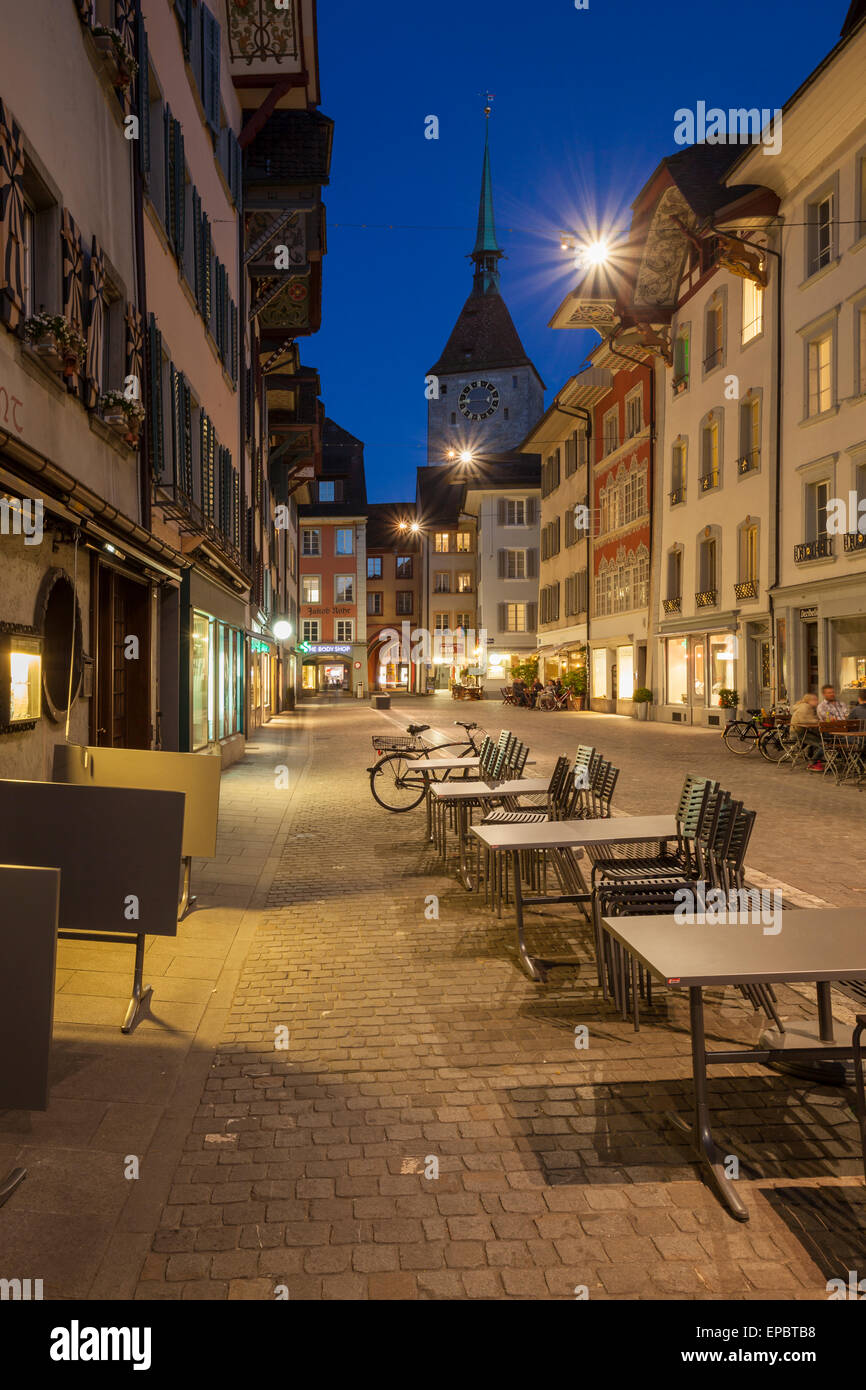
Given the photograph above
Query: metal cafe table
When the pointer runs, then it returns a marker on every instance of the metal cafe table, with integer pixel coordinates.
(565, 835)
(462, 795)
(817, 945)
(444, 767)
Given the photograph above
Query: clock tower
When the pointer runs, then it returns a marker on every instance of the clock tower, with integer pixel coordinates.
(485, 395)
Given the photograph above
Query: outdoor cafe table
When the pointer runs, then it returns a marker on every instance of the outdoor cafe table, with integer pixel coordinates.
(813, 945)
(448, 765)
(463, 795)
(565, 835)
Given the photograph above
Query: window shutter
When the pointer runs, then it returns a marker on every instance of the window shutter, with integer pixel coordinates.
(196, 245)
(237, 179)
(183, 9)
(531, 617)
(502, 559)
(558, 530)
(207, 270)
(530, 511)
(233, 316)
(503, 514)
(168, 168)
(143, 101)
(95, 327)
(210, 69)
(154, 394)
(503, 617)
(179, 192)
(532, 563)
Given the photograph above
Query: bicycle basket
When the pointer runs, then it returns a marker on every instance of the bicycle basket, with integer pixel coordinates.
(398, 743)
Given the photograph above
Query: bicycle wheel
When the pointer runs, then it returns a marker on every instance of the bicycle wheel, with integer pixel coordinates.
(772, 744)
(394, 785)
(740, 737)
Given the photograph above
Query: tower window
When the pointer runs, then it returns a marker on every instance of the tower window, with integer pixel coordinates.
(454, 417)
(514, 383)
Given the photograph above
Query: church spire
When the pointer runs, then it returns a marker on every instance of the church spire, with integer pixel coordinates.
(487, 252)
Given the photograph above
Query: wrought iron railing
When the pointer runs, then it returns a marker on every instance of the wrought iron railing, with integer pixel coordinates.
(855, 540)
(749, 461)
(707, 598)
(709, 480)
(678, 495)
(747, 589)
(813, 550)
(673, 605)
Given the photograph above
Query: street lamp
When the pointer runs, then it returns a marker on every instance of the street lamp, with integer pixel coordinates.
(282, 630)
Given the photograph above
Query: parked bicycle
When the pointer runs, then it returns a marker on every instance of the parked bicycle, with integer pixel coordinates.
(744, 736)
(395, 784)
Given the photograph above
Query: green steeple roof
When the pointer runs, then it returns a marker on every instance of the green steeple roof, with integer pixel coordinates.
(487, 251)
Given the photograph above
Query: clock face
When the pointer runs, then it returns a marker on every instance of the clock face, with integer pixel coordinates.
(479, 400)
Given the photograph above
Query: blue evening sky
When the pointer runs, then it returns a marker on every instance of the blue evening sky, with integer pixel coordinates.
(583, 111)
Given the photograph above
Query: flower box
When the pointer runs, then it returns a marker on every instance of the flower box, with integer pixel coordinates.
(48, 350)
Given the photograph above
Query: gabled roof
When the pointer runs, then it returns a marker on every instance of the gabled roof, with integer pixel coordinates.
(483, 336)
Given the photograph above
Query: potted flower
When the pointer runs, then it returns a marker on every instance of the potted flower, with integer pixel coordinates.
(728, 701)
(642, 700)
(575, 683)
(54, 339)
(122, 65)
(122, 414)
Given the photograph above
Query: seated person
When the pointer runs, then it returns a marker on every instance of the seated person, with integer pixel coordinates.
(858, 711)
(518, 691)
(830, 707)
(534, 691)
(804, 716)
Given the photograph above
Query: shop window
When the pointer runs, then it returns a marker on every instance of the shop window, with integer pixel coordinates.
(624, 673)
(202, 684)
(723, 669)
(677, 670)
(599, 673)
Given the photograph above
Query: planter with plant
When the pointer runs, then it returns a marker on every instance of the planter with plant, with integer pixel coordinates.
(525, 670)
(642, 698)
(728, 701)
(119, 60)
(122, 414)
(53, 338)
(576, 685)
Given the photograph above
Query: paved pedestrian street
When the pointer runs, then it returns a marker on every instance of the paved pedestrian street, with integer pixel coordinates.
(347, 1087)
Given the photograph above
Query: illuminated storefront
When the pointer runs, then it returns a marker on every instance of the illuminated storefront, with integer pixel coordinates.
(217, 680)
(696, 668)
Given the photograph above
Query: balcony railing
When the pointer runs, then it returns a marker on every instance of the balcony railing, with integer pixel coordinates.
(747, 589)
(813, 550)
(707, 598)
(749, 461)
(855, 540)
(709, 480)
(672, 605)
(678, 495)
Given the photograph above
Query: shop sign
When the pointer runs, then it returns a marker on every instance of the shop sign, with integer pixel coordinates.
(808, 614)
(324, 649)
(258, 646)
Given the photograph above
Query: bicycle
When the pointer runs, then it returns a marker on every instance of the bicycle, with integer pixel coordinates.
(743, 736)
(394, 783)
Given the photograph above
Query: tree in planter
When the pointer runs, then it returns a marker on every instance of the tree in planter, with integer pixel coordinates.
(575, 683)
(642, 698)
(525, 670)
(728, 700)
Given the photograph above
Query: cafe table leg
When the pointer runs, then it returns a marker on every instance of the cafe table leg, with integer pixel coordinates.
(708, 1152)
(528, 962)
(462, 836)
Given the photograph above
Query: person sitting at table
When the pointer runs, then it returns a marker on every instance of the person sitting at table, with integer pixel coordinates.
(804, 716)
(858, 711)
(830, 707)
(534, 691)
(518, 691)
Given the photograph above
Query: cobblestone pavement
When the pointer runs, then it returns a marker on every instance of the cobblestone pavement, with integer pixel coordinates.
(431, 1129)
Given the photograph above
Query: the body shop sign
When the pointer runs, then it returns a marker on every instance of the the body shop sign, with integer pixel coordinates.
(324, 649)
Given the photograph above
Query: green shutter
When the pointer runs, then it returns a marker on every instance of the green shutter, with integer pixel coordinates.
(143, 101)
(154, 398)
